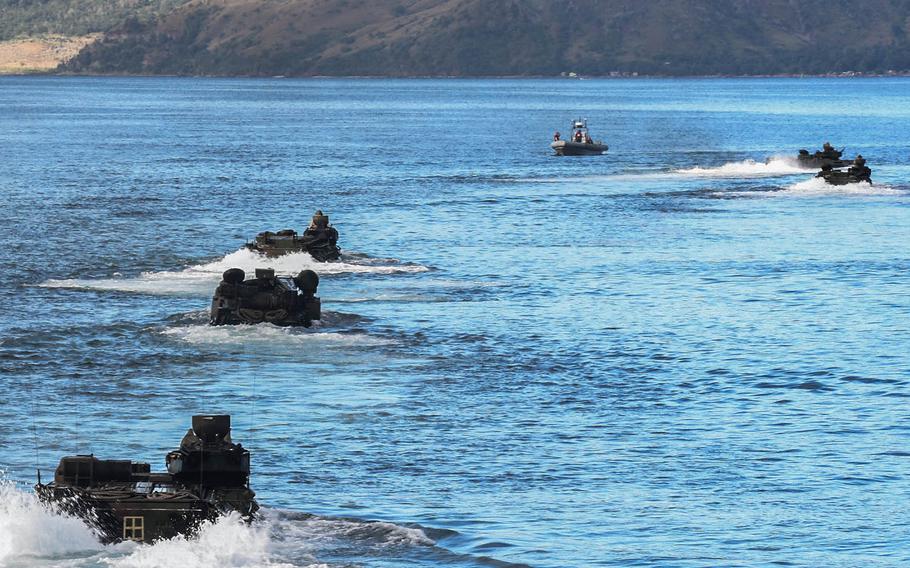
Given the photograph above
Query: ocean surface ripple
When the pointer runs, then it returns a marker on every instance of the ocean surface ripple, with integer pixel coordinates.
(676, 354)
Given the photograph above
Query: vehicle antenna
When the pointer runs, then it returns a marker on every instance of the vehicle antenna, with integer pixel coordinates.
(252, 406)
(31, 400)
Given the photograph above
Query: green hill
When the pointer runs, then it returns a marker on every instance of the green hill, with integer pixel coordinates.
(483, 37)
(31, 18)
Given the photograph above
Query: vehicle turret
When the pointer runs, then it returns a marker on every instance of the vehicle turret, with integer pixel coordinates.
(208, 457)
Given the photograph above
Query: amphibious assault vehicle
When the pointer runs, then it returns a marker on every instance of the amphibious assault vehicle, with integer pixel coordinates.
(857, 173)
(280, 300)
(320, 240)
(580, 144)
(827, 156)
(208, 476)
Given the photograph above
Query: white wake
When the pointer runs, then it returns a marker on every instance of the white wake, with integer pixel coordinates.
(817, 186)
(746, 169)
(266, 335)
(201, 279)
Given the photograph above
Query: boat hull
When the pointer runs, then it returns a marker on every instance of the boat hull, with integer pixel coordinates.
(566, 148)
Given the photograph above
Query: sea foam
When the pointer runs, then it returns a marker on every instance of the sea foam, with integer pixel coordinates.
(33, 534)
(746, 169)
(817, 186)
(201, 279)
(228, 542)
(266, 334)
(30, 530)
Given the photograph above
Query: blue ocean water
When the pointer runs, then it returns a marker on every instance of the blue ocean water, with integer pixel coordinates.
(674, 354)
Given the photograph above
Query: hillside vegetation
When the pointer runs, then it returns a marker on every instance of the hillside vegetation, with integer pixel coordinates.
(32, 18)
(492, 37)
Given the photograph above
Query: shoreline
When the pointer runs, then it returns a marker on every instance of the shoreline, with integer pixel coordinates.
(829, 75)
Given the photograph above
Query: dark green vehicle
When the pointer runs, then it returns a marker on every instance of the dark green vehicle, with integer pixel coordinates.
(827, 156)
(279, 300)
(320, 240)
(208, 476)
(858, 172)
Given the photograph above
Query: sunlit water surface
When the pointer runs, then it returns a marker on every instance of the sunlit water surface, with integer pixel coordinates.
(671, 355)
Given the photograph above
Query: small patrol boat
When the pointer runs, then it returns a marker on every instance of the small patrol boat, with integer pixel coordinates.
(827, 156)
(580, 144)
(858, 172)
(207, 476)
(280, 300)
(320, 239)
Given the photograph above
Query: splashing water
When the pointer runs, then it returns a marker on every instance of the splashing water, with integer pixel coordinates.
(201, 279)
(31, 530)
(747, 168)
(227, 542)
(33, 534)
(818, 186)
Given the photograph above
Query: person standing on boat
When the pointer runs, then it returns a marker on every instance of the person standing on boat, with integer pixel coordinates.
(556, 137)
